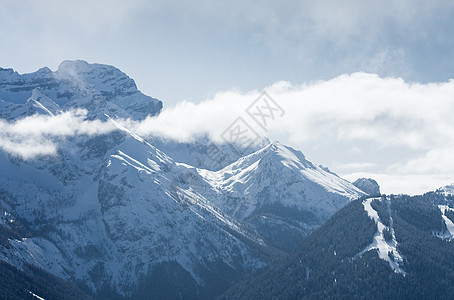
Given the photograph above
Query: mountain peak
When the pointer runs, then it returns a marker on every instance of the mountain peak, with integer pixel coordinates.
(72, 68)
(77, 64)
(287, 155)
(44, 70)
(78, 84)
(6, 70)
(6, 74)
(40, 103)
(104, 78)
(368, 185)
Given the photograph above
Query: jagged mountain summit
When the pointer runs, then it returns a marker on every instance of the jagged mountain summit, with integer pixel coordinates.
(118, 215)
(277, 191)
(100, 89)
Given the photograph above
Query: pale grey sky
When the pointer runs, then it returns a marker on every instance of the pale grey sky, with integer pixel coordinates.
(218, 53)
(179, 50)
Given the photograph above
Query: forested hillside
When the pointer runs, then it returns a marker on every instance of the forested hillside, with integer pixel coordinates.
(341, 259)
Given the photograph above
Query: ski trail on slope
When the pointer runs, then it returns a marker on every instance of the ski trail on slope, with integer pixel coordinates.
(379, 243)
(449, 224)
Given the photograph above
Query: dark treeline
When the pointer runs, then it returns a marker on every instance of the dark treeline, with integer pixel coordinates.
(326, 265)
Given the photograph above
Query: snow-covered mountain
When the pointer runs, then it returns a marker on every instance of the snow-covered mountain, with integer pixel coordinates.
(99, 88)
(279, 193)
(121, 216)
(368, 185)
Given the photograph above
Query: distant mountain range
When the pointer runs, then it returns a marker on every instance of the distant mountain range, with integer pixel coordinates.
(119, 216)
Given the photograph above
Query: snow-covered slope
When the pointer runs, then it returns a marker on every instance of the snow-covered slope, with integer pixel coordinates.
(110, 227)
(118, 214)
(279, 193)
(386, 247)
(38, 103)
(98, 88)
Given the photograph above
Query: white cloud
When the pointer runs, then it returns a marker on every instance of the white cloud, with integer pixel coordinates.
(203, 46)
(38, 135)
(403, 131)
(355, 166)
(386, 111)
(434, 161)
(413, 184)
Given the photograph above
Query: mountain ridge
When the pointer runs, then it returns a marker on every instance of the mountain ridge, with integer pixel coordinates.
(78, 84)
(114, 213)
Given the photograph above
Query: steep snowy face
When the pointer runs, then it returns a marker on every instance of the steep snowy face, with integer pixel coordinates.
(280, 193)
(109, 211)
(152, 220)
(118, 211)
(368, 185)
(38, 103)
(278, 173)
(109, 81)
(98, 88)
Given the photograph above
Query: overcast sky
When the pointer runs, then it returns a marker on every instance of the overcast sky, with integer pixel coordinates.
(395, 126)
(179, 50)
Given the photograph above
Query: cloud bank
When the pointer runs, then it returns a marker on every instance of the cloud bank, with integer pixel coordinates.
(400, 133)
(385, 111)
(244, 44)
(39, 135)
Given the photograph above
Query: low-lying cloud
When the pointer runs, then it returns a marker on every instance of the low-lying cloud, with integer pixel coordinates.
(38, 135)
(359, 125)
